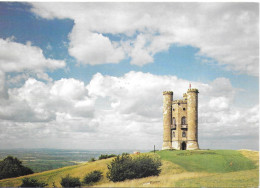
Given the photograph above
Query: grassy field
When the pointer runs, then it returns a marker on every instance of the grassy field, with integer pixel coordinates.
(240, 178)
(209, 160)
(202, 168)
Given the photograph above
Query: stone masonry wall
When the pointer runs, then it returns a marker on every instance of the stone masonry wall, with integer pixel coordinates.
(187, 107)
(167, 119)
(192, 115)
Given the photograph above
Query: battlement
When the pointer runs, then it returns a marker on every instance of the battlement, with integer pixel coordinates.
(167, 93)
(185, 96)
(193, 90)
(179, 101)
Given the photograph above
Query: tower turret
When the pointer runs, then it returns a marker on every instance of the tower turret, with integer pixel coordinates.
(167, 119)
(192, 117)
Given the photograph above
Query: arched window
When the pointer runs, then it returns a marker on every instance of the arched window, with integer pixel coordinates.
(183, 120)
(173, 121)
(173, 134)
(183, 134)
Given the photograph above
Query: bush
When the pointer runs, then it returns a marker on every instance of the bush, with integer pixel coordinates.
(92, 177)
(92, 159)
(27, 182)
(70, 181)
(12, 167)
(106, 156)
(125, 167)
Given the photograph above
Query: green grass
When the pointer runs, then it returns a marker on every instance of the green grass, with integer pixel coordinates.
(245, 178)
(220, 161)
(202, 168)
(248, 178)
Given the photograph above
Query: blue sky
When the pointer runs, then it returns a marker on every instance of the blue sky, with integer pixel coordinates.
(192, 55)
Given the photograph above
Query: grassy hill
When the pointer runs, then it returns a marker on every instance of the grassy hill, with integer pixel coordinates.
(202, 168)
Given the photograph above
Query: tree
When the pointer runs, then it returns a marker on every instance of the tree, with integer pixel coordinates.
(92, 159)
(12, 167)
(70, 181)
(29, 182)
(125, 167)
(93, 177)
(105, 156)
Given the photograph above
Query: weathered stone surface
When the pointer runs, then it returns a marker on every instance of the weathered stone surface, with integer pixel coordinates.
(180, 121)
(167, 119)
(192, 98)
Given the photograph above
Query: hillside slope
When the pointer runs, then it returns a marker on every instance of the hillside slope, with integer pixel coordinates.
(203, 168)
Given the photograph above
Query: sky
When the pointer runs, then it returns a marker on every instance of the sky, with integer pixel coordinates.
(91, 75)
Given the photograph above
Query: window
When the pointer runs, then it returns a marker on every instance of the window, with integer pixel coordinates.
(173, 121)
(183, 121)
(173, 109)
(183, 134)
(184, 109)
(173, 134)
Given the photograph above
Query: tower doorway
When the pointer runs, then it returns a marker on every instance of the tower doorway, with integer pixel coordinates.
(183, 146)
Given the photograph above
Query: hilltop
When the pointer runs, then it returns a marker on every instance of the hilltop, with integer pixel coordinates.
(200, 168)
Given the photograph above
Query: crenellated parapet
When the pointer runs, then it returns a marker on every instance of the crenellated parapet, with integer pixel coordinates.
(185, 96)
(167, 93)
(193, 90)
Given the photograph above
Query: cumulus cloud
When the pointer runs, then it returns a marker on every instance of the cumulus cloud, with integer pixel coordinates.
(225, 32)
(60, 102)
(94, 48)
(120, 113)
(17, 57)
(23, 60)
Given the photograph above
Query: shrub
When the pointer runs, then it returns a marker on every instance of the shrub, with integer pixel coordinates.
(12, 167)
(125, 167)
(70, 181)
(92, 159)
(92, 177)
(106, 156)
(27, 182)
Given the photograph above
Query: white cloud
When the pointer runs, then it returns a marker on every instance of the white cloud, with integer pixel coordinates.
(120, 113)
(36, 101)
(94, 48)
(139, 53)
(226, 32)
(24, 60)
(17, 57)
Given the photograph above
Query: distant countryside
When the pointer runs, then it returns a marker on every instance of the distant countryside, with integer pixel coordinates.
(40, 160)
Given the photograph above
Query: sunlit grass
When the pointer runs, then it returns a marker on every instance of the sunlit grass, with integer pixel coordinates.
(209, 160)
(179, 169)
(53, 177)
(169, 175)
(245, 178)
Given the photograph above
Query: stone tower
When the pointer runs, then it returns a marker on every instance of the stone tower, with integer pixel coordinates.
(167, 119)
(180, 121)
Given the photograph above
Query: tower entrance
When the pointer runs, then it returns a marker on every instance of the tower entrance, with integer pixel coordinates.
(183, 146)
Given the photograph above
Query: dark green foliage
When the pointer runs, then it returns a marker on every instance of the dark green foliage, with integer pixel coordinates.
(92, 159)
(70, 181)
(92, 177)
(28, 182)
(125, 167)
(106, 156)
(12, 167)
